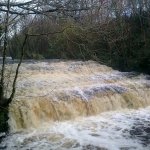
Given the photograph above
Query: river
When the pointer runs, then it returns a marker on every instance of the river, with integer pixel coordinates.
(78, 105)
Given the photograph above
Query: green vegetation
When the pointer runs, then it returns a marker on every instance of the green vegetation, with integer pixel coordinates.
(123, 43)
(115, 33)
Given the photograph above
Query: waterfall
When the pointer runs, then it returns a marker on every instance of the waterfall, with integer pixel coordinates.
(78, 105)
(64, 90)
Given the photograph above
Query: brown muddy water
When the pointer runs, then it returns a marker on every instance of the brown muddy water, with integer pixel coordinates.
(78, 105)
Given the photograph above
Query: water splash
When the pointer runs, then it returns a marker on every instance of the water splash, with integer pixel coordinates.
(60, 90)
(118, 130)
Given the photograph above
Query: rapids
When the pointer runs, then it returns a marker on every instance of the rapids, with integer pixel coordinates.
(78, 105)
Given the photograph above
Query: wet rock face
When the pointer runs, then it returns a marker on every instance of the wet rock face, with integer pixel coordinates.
(148, 77)
(2, 135)
(3, 125)
(141, 131)
(3, 121)
(92, 147)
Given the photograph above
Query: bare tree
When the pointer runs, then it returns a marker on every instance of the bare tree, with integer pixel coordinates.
(13, 12)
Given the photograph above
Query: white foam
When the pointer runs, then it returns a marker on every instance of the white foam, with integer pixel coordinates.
(109, 130)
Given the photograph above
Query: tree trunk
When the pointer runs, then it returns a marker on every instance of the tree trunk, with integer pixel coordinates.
(4, 55)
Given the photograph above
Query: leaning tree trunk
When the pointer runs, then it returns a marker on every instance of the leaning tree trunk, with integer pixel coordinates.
(2, 97)
(4, 102)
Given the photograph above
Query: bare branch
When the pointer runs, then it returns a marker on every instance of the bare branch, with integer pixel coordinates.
(4, 4)
(28, 9)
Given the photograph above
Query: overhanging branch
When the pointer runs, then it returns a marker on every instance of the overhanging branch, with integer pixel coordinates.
(4, 4)
(32, 7)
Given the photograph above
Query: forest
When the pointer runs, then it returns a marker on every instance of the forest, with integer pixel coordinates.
(112, 32)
